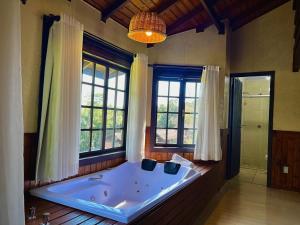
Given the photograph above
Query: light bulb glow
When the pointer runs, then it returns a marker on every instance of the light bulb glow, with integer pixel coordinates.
(149, 33)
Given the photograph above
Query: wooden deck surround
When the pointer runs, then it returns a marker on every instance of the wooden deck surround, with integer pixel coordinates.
(182, 208)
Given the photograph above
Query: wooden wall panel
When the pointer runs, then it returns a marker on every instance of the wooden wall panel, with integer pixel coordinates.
(30, 150)
(83, 170)
(164, 156)
(30, 147)
(286, 152)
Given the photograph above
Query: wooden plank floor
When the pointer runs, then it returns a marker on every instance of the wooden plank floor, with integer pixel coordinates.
(60, 214)
(248, 203)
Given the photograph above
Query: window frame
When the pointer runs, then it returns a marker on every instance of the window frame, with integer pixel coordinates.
(183, 74)
(107, 65)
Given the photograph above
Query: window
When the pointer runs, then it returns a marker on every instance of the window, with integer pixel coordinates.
(103, 107)
(174, 107)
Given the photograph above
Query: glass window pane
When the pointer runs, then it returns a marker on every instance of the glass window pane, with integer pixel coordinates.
(173, 104)
(85, 118)
(100, 74)
(110, 121)
(112, 78)
(161, 120)
(97, 118)
(118, 138)
(121, 80)
(87, 71)
(84, 141)
(189, 121)
(163, 88)
(188, 137)
(161, 136)
(111, 98)
(86, 94)
(120, 99)
(96, 140)
(190, 89)
(162, 104)
(119, 119)
(98, 96)
(172, 136)
(189, 105)
(174, 88)
(173, 121)
(109, 138)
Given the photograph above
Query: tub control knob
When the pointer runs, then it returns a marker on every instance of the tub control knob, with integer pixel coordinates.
(32, 213)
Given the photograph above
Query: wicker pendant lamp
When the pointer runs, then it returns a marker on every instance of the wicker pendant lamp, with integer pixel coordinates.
(147, 27)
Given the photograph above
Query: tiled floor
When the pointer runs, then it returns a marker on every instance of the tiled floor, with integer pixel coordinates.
(253, 176)
(247, 201)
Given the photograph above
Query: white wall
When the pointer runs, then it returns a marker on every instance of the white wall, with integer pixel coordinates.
(31, 15)
(264, 44)
(191, 48)
(267, 44)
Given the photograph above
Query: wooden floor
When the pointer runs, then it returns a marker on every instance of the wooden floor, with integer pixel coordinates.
(247, 203)
(63, 215)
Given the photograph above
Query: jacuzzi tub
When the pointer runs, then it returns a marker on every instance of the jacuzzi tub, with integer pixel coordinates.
(121, 194)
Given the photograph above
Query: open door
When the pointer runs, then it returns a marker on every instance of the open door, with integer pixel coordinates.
(235, 114)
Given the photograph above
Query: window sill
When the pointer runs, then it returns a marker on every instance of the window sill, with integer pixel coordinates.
(100, 158)
(172, 149)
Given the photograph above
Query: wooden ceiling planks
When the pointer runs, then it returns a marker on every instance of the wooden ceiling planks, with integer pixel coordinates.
(111, 9)
(210, 10)
(160, 8)
(96, 4)
(184, 19)
(183, 15)
(254, 12)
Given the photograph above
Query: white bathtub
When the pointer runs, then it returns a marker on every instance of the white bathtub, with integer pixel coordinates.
(122, 193)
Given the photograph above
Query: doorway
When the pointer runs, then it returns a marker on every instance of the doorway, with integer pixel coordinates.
(250, 127)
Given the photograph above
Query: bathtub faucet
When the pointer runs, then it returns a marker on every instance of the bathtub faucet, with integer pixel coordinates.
(45, 218)
(32, 213)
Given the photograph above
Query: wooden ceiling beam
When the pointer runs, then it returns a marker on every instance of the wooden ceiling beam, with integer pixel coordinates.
(110, 10)
(164, 6)
(201, 27)
(296, 5)
(171, 28)
(226, 11)
(254, 13)
(213, 16)
(150, 45)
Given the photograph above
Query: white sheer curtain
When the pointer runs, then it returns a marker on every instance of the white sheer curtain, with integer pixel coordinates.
(58, 148)
(208, 146)
(11, 116)
(136, 124)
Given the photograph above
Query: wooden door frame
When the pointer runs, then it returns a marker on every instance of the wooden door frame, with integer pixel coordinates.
(271, 74)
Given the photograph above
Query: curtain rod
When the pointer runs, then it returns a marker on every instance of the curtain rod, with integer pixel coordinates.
(110, 44)
(191, 67)
(52, 17)
(176, 66)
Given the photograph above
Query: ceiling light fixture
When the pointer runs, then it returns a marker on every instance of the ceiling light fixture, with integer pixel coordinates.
(147, 27)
